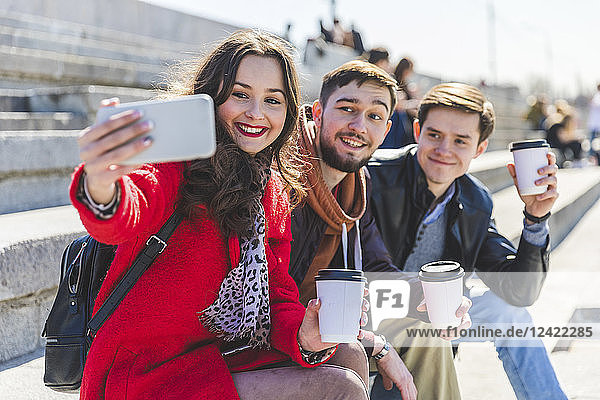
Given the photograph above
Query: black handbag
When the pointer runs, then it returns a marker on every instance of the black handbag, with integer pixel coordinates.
(70, 328)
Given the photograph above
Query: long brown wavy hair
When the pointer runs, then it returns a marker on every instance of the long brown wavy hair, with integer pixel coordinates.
(229, 183)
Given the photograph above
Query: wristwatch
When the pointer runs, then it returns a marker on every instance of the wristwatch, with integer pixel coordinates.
(384, 350)
(315, 357)
(535, 219)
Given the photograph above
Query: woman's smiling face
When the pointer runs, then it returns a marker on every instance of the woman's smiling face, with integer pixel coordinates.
(255, 111)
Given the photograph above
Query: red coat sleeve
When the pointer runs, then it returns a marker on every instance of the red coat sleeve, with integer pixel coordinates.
(287, 312)
(147, 199)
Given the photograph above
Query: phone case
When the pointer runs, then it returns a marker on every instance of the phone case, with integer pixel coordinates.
(184, 128)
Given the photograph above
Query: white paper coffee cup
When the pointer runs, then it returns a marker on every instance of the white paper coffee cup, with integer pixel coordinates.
(529, 156)
(442, 283)
(340, 292)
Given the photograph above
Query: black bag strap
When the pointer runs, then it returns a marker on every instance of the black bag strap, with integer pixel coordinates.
(154, 246)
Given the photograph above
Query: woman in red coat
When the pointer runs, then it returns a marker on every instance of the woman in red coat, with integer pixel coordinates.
(223, 277)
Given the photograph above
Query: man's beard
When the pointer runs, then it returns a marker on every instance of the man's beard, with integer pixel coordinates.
(330, 157)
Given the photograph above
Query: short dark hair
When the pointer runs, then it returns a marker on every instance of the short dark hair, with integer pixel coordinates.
(377, 54)
(463, 97)
(360, 72)
(403, 65)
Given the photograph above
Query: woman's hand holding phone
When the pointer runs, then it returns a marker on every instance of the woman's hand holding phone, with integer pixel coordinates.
(102, 147)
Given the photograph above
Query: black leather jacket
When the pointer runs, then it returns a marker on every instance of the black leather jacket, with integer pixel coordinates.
(399, 200)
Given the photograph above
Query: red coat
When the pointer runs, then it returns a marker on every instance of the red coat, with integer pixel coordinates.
(154, 346)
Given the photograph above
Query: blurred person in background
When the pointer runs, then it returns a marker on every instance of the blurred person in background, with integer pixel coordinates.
(326, 34)
(561, 134)
(357, 42)
(594, 124)
(380, 56)
(538, 111)
(401, 132)
(338, 33)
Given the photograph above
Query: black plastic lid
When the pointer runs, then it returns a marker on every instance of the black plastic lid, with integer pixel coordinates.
(528, 144)
(340, 275)
(441, 271)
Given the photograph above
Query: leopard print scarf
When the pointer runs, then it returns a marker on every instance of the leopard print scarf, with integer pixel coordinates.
(242, 310)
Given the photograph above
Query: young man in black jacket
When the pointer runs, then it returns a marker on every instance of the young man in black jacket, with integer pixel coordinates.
(428, 208)
(339, 133)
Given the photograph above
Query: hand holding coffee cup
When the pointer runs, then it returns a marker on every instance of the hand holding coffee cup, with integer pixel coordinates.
(340, 292)
(442, 283)
(462, 313)
(309, 336)
(534, 174)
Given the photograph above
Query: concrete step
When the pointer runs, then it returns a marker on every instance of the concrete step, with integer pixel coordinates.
(506, 101)
(83, 99)
(22, 379)
(14, 100)
(126, 21)
(509, 107)
(31, 245)
(35, 168)
(28, 151)
(83, 46)
(501, 138)
(504, 122)
(490, 168)
(40, 24)
(32, 64)
(18, 121)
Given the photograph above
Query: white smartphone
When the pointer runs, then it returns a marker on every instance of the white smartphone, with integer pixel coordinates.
(184, 128)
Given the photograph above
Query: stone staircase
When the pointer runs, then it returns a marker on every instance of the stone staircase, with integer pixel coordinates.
(54, 74)
(58, 51)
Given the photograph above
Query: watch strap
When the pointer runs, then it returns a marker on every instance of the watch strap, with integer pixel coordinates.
(535, 219)
(386, 349)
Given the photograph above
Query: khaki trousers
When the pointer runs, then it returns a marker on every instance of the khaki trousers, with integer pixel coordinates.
(429, 360)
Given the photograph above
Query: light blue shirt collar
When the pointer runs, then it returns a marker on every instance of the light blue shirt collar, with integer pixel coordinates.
(434, 214)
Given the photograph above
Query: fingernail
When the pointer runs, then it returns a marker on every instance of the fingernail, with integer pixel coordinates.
(540, 171)
(147, 141)
(148, 125)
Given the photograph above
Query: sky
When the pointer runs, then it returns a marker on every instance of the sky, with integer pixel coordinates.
(535, 40)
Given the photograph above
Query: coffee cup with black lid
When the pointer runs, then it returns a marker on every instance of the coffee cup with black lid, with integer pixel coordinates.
(340, 292)
(442, 283)
(529, 156)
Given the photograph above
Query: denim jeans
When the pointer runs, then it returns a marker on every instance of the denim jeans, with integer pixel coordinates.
(528, 367)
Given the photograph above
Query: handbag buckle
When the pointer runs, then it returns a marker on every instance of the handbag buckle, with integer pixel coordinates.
(159, 240)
